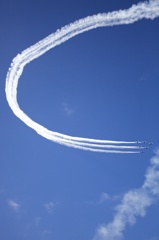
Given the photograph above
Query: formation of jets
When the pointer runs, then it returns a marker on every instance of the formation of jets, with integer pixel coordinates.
(150, 143)
(144, 142)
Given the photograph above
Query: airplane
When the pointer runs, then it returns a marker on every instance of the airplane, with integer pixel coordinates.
(141, 142)
(138, 142)
(143, 147)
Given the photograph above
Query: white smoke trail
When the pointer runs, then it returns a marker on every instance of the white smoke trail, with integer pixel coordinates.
(148, 10)
(134, 204)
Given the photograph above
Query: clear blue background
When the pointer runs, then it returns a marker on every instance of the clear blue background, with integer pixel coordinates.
(101, 84)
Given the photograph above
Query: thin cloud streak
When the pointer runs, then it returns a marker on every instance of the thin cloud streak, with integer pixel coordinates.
(147, 10)
(134, 203)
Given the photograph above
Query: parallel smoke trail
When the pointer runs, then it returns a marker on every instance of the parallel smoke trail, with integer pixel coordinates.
(148, 10)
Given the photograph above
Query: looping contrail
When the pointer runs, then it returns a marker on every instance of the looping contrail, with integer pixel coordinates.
(147, 10)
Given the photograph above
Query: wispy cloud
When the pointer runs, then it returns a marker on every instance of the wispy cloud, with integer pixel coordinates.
(103, 197)
(145, 10)
(69, 110)
(49, 206)
(13, 204)
(151, 75)
(134, 203)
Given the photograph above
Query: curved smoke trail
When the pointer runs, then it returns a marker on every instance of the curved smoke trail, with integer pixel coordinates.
(148, 10)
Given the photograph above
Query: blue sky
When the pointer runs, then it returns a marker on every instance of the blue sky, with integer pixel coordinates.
(102, 84)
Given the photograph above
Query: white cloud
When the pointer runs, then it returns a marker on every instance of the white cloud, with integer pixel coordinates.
(69, 111)
(13, 204)
(103, 197)
(134, 203)
(49, 206)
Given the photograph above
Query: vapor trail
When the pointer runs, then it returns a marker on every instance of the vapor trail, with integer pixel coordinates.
(148, 10)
